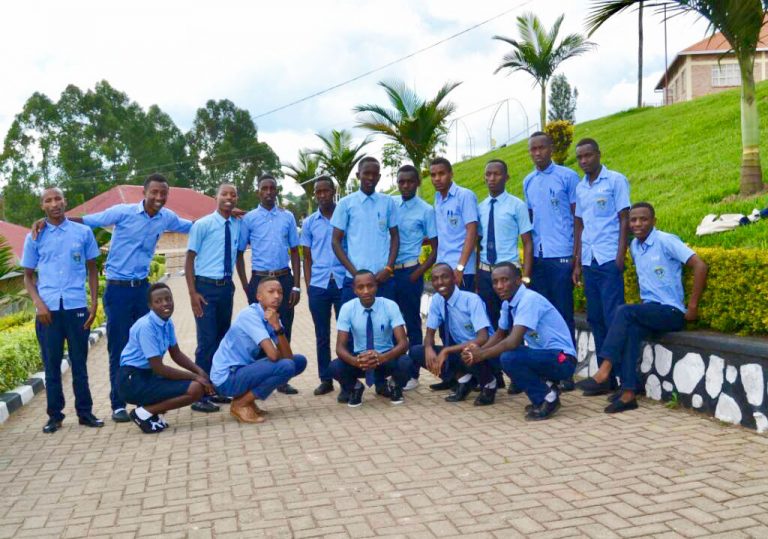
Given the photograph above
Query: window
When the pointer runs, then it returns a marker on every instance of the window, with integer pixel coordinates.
(726, 75)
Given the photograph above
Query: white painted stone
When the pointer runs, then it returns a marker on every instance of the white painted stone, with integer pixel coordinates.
(688, 372)
(645, 366)
(583, 373)
(752, 380)
(40, 375)
(593, 364)
(591, 342)
(731, 373)
(583, 339)
(667, 386)
(25, 392)
(727, 410)
(697, 401)
(64, 366)
(653, 387)
(761, 422)
(663, 359)
(715, 376)
(4, 415)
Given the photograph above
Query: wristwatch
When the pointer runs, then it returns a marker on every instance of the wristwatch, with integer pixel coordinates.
(526, 280)
(297, 289)
(460, 267)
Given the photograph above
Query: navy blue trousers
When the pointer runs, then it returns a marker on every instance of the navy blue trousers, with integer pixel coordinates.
(408, 298)
(66, 325)
(489, 297)
(286, 313)
(123, 305)
(321, 301)
(530, 369)
(604, 290)
(261, 377)
(347, 375)
(552, 278)
(216, 319)
(467, 283)
(631, 325)
(454, 367)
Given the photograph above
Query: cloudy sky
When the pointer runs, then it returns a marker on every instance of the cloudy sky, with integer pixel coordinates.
(180, 54)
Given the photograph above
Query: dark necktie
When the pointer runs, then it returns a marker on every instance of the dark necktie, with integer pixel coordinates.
(447, 325)
(227, 250)
(491, 236)
(369, 376)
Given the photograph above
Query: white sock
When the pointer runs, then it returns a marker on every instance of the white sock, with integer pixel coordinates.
(142, 413)
(464, 379)
(551, 396)
(491, 384)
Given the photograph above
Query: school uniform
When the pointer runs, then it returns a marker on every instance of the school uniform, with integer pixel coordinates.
(241, 365)
(452, 214)
(366, 221)
(324, 286)
(658, 261)
(461, 318)
(502, 220)
(415, 221)
(59, 254)
(214, 241)
(149, 337)
(598, 205)
(134, 239)
(371, 328)
(271, 235)
(549, 194)
(549, 354)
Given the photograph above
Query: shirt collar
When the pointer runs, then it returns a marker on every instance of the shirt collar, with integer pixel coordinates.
(139, 208)
(273, 211)
(502, 196)
(454, 297)
(649, 240)
(220, 218)
(549, 170)
(602, 175)
(451, 191)
(407, 203)
(157, 321)
(518, 296)
(374, 307)
(63, 226)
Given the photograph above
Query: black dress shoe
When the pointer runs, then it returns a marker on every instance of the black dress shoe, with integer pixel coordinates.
(500, 383)
(383, 390)
(90, 420)
(343, 396)
(591, 387)
(207, 407)
(325, 387)
(513, 389)
(568, 385)
(615, 395)
(356, 396)
(543, 411)
(52, 426)
(287, 389)
(396, 395)
(486, 397)
(445, 385)
(619, 406)
(121, 416)
(220, 399)
(462, 390)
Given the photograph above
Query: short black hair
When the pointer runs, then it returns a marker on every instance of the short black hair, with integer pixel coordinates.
(226, 184)
(409, 169)
(542, 134)
(267, 280)
(51, 188)
(155, 177)
(265, 176)
(441, 264)
(648, 205)
(367, 159)
(512, 267)
(157, 286)
(325, 178)
(498, 162)
(441, 161)
(588, 142)
(360, 273)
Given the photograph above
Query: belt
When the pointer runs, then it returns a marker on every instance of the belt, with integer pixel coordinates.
(133, 283)
(215, 282)
(489, 267)
(272, 273)
(404, 265)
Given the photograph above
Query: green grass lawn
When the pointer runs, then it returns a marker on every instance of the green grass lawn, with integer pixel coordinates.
(684, 159)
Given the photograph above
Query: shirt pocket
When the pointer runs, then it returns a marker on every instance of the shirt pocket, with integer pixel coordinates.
(605, 204)
(76, 256)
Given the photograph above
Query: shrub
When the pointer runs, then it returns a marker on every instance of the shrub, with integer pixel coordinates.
(19, 355)
(561, 132)
(15, 319)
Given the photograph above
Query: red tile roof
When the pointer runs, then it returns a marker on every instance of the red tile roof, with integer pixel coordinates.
(14, 235)
(186, 203)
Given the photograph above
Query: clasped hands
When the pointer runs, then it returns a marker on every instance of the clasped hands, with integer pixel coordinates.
(370, 359)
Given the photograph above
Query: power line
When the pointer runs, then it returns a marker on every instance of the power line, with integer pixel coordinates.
(393, 62)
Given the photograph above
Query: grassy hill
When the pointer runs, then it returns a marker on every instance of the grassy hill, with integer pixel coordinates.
(683, 158)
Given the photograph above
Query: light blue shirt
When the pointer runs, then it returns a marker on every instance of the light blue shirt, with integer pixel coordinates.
(242, 343)
(386, 317)
(317, 234)
(150, 336)
(598, 205)
(365, 221)
(415, 221)
(466, 315)
(271, 234)
(206, 239)
(659, 263)
(59, 254)
(549, 194)
(452, 214)
(511, 219)
(134, 237)
(545, 327)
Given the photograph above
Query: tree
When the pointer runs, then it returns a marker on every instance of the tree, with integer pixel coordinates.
(562, 101)
(740, 22)
(224, 140)
(307, 168)
(338, 156)
(539, 54)
(392, 157)
(418, 125)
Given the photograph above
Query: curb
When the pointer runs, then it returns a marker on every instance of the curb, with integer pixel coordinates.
(15, 399)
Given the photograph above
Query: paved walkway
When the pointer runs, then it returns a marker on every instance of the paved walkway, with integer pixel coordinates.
(423, 469)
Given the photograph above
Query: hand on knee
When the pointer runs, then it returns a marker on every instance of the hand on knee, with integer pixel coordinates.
(196, 390)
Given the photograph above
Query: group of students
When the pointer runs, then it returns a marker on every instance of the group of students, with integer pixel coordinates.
(362, 262)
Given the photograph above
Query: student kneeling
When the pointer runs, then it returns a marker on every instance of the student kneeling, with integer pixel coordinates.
(255, 358)
(372, 322)
(144, 380)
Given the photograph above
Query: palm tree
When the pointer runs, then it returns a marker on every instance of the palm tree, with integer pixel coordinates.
(338, 156)
(307, 168)
(539, 54)
(416, 124)
(740, 22)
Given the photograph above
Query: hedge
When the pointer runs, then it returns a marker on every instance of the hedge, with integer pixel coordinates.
(19, 355)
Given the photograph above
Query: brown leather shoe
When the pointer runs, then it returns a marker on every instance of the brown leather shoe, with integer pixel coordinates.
(258, 410)
(245, 414)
